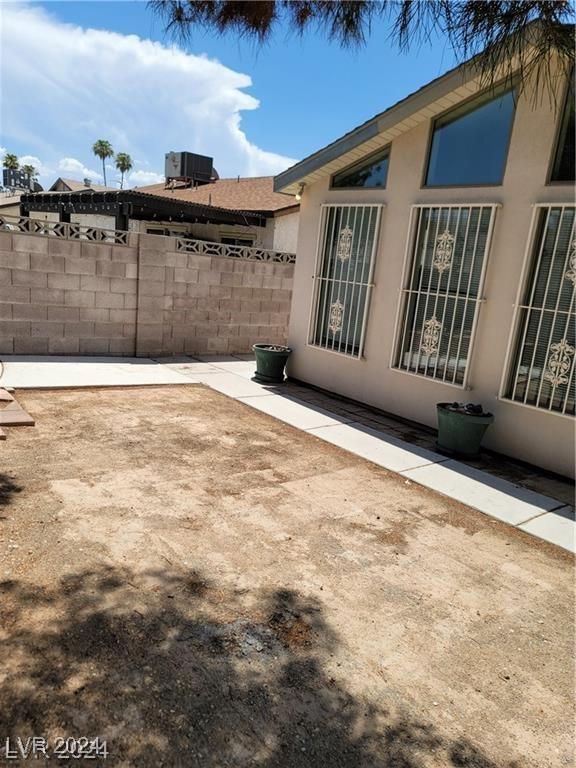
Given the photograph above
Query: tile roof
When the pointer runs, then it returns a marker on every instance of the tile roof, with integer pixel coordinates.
(79, 186)
(239, 194)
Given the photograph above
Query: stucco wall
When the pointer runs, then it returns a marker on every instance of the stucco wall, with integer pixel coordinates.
(285, 236)
(536, 436)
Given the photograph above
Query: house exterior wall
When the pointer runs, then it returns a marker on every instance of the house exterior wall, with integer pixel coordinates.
(60, 296)
(285, 234)
(279, 234)
(542, 438)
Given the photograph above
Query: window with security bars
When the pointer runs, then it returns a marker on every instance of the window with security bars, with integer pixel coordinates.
(343, 278)
(541, 372)
(442, 290)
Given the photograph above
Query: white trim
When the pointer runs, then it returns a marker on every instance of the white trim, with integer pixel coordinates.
(519, 305)
(537, 409)
(366, 282)
(405, 291)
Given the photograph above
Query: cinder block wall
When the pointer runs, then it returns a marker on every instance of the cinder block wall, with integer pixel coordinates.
(196, 304)
(67, 297)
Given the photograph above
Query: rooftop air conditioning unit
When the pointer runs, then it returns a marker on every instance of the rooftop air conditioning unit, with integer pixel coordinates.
(188, 166)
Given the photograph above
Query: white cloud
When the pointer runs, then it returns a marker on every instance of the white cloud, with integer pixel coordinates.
(77, 169)
(140, 178)
(144, 97)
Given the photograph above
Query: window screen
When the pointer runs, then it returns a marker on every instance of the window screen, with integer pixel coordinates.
(442, 290)
(367, 173)
(542, 365)
(470, 143)
(344, 277)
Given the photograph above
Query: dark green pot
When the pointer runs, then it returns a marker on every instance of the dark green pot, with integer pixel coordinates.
(270, 362)
(459, 433)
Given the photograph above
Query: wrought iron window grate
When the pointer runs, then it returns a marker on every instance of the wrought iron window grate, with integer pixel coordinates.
(343, 279)
(442, 290)
(542, 355)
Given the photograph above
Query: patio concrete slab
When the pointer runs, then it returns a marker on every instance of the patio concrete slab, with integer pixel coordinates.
(378, 447)
(244, 368)
(557, 527)
(38, 372)
(230, 384)
(186, 365)
(293, 413)
(486, 493)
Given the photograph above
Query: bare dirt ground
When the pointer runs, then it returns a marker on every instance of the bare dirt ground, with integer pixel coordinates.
(201, 585)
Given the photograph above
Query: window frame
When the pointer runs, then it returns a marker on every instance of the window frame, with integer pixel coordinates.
(404, 291)
(550, 182)
(518, 306)
(502, 86)
(320, 246)
(387, 149)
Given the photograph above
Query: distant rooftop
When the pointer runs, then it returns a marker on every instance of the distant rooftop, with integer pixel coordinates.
(253, 193)
(74, 185)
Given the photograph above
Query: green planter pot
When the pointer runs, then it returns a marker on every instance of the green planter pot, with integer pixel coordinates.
(270, 362)
(460, 434)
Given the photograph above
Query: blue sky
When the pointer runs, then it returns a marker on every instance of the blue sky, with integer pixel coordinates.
(255, 110)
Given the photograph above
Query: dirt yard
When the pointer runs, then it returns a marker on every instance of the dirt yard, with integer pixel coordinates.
(201, 585)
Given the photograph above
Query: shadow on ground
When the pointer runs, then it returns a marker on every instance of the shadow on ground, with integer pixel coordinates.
(172, 670)
(7, 489)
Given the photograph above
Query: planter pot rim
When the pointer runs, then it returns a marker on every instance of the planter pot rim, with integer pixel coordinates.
(483, 415)
(274, 349)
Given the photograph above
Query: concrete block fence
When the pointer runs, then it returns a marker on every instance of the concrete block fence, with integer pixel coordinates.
(147, 298)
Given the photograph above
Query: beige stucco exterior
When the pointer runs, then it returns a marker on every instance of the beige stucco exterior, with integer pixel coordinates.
(543, 438)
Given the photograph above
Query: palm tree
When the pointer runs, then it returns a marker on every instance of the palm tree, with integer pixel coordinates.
(103, 150)
(481, 34)
(30, 170)
(124, 165)
(10, 161)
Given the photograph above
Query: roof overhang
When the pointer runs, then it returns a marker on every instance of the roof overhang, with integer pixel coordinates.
(426, 103)
(138, 205)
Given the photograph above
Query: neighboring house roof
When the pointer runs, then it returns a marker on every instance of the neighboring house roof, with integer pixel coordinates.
(239, 194)
(73, 185)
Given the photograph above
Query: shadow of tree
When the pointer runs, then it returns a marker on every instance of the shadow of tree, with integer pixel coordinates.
(173, 670)
(7, 489)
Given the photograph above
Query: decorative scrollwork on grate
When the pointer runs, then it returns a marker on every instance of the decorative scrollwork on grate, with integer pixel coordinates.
(233, 251)
(336, 315)
(559, 363)
(344, 247)
(63, 230)
(570, 273)
(444, 250)
(431, 336)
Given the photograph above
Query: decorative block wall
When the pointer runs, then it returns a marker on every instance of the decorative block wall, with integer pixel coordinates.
(147, 297)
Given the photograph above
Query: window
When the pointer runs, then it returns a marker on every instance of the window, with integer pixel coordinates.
(344, 277)
(443, 289)
(564, 161)
(367, 173)
(542, 363)
(470, 143)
